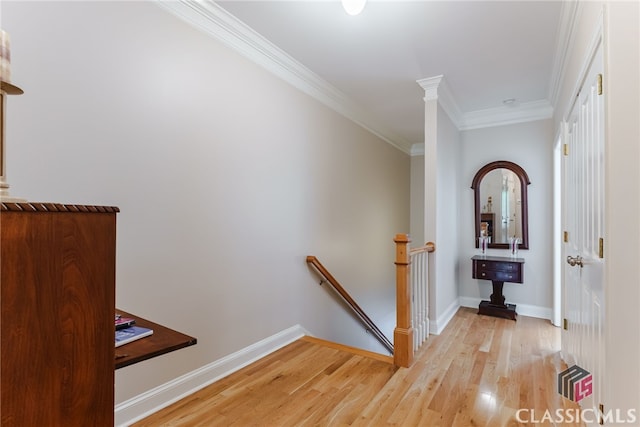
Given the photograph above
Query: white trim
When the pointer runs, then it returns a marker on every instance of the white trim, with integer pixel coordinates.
(417, 150)
(430, 86)
(564, 42)
(596, 41)
(207, 16)
(145, 404)
(437, 326)
(436, 88)
(522, 309)
(557, 225)
(505, 115)
(449, 104)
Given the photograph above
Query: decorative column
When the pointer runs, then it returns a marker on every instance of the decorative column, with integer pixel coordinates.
(430, 86)
(438, 189)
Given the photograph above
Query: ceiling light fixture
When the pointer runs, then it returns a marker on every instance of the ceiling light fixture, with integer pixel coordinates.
(353, 7)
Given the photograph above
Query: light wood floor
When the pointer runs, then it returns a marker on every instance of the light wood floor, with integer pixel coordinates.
(478, 372)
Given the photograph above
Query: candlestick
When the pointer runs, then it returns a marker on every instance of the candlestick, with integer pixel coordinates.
(6, 88)
(513, 245)
(5, 57)
(484, 241)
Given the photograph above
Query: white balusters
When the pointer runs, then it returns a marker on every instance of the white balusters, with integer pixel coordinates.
(420, 296)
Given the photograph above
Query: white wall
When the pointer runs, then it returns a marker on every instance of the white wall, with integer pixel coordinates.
(226, 177)
(530, 146)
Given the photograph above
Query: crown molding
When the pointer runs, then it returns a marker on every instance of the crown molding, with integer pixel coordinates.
(417, 150)
(213, 20)
(506, 115)
(207, 16)
(594, 44)
(436, 88)
(564, 42)
(449, 104)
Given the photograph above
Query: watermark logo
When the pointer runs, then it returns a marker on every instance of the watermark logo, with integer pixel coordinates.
(563, 416)
(575, 383)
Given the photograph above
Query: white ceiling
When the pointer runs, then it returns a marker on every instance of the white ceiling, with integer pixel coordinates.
(488, 52)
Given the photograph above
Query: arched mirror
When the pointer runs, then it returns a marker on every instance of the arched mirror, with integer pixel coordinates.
(500, 193)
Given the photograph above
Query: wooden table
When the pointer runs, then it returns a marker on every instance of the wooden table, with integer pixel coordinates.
(164, 340)
(498, 270)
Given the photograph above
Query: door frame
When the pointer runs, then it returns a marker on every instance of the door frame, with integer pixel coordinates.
(557, 308)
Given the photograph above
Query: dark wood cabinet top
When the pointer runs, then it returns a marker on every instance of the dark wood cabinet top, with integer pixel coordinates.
(497, 259)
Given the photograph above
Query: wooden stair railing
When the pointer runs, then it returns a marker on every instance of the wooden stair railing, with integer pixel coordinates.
(370, 325)
(403, 335)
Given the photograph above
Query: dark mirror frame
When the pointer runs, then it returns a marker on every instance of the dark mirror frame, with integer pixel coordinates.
(524, 181)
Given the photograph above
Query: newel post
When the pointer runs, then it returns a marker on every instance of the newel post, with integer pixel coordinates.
(403, 334)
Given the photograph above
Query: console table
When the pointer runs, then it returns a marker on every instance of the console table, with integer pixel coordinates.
(498, 270)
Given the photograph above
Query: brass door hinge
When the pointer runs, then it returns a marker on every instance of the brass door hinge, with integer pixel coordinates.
(601, 248)
(565, 236)
(565, 149)
(565, 324)
(599, 84)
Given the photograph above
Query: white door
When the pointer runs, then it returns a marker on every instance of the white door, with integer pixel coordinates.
(583, 191)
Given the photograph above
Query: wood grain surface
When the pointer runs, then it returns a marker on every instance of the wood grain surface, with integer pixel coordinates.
(479, 372)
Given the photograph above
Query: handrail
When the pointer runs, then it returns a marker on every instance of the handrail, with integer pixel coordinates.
(428, 247)
(354, 306)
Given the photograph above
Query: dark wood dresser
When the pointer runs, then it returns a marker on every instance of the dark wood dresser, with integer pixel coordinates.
(498, 270)
(57, 308)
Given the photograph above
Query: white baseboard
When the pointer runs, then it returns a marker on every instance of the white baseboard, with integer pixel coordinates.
(522, 309)
(145, 404)
(437, 326)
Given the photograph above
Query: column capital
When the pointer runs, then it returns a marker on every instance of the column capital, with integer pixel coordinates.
(430, 86)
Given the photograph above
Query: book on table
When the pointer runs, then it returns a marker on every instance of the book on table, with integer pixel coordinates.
(132, 333)
(123, 322)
